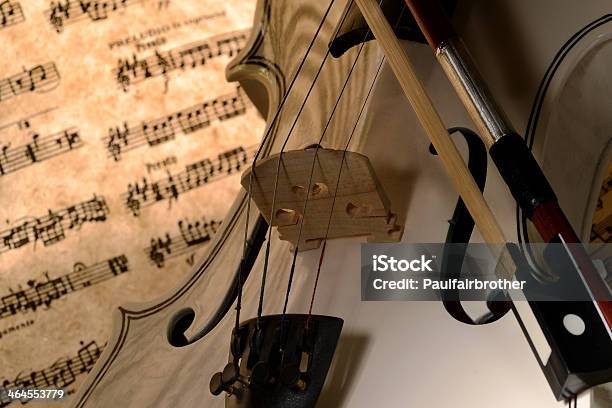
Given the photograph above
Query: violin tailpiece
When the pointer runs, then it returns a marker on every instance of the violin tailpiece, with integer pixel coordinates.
(278, 361)
(353, 195)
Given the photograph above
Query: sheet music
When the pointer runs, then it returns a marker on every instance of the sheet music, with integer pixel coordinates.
(136, 69)
(147, 192)
(192, 234)
(63, 373)
(38, 78)
(121, 144)
(10, 13)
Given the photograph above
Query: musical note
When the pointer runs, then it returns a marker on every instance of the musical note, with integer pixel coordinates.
(39, 149)
(58, 13)
(194, 233)
(63, 374)
(166, 63)
(159, 249)
(51, 228)
(194, 56)
(97, 10)
(14, 303)
(227, 108)
(32, 148)
(44, 293)
(233, 160)
(198, 174)
(145, 193)
(18, 236)
(40, 78)
(158, 132)
(40, 380)
(195, 118)
(229, 46)
(191, 234)
(61, 13)
(118, 265)
(10, 13)
(117, 140)
(94, 210)
(133, 70)
(154, 132)
(23, 124)
(88, 355)
(47, 292)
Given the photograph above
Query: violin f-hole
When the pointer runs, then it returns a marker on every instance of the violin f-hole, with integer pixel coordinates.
(179, 323)
(182, 320)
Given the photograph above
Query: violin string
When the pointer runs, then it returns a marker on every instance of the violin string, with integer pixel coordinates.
(322, 254)
(308, 189)
(253, 165)
(276, 180)
(318, 146)
(323, 246)
(310, 178)
(307, 198)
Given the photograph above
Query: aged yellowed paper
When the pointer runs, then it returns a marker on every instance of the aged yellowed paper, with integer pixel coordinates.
(120, 148)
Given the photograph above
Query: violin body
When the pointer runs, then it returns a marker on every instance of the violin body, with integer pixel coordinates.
(395, 353)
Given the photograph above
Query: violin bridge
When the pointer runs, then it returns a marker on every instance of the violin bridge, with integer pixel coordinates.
(342, 181)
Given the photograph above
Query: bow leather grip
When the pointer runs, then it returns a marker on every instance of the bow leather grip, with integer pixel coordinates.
(522, 174)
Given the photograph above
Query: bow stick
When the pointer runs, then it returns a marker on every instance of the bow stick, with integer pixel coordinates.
(438, 134)
(434, 127)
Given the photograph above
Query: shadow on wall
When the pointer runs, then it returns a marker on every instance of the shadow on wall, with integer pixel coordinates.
(349, 357)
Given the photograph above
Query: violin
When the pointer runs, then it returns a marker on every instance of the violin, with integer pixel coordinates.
(272, 315)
